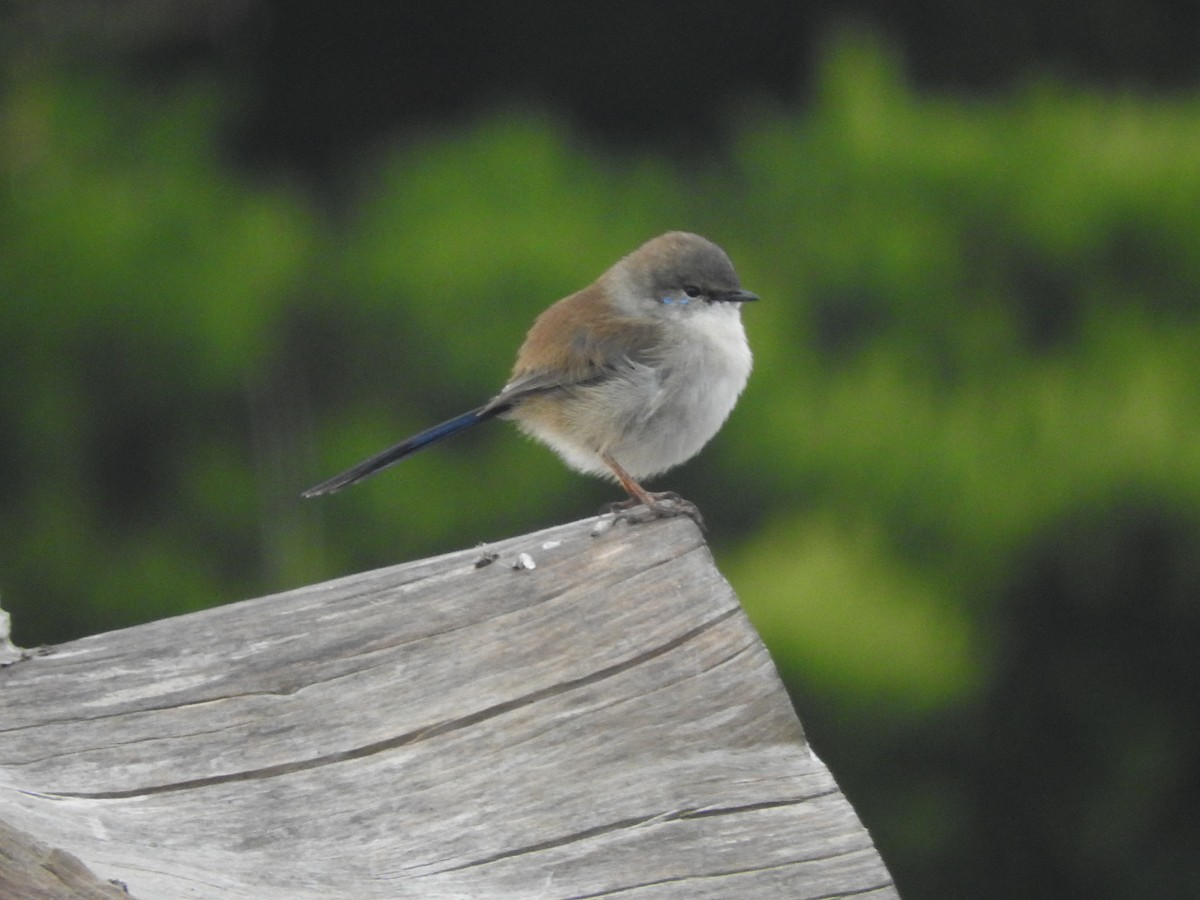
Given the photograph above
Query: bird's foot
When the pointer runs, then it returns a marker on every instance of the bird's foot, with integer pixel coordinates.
(662, 505)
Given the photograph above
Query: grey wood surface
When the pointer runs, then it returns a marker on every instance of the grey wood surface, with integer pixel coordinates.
(606, 723)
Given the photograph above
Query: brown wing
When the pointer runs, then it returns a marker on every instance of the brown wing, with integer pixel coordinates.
(576, 341)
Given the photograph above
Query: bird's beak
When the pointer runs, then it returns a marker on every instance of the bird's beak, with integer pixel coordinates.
(737, 296)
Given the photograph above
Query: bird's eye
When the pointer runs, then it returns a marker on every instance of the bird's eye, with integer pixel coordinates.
(692, 291)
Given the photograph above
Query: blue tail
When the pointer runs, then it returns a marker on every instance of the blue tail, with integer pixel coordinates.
(393, 455)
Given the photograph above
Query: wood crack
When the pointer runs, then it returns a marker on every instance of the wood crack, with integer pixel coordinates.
(749, 870)
(420, 734)
(657, 818)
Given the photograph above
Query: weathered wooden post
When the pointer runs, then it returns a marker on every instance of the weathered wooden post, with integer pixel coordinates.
(556, 715)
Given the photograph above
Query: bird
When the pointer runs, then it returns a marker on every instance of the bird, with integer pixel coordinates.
(624, 379)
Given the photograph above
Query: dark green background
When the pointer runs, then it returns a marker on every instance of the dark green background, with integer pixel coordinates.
(243, 247)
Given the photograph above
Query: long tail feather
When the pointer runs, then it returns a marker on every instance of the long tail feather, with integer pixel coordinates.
(393, 455)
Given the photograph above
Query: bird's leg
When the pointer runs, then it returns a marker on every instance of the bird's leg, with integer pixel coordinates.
(660, 505)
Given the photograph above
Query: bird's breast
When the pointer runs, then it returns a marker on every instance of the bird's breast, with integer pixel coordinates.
(650, 414)
(675, 407)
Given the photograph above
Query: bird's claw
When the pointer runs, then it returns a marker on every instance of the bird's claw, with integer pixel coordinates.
(663, 505)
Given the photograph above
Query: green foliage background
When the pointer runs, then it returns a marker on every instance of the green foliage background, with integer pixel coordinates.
(960, 498)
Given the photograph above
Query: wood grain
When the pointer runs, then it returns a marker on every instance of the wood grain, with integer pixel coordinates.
(604, 723)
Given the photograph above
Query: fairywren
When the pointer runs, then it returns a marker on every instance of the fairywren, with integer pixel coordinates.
(626, 378)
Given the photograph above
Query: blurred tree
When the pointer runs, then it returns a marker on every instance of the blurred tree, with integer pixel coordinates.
(323, 82)
(979, 329)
